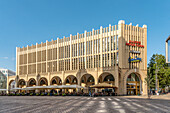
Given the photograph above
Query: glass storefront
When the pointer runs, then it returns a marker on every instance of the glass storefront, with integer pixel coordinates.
(133, 84)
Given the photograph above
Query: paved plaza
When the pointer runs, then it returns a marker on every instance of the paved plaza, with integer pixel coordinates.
(78, 104)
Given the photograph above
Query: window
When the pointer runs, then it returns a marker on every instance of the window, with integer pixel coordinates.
(111, 43)
(108, 44)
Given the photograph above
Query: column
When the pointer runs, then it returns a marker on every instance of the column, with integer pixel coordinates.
(27, 61)
(70, 51)
(110, 44)
(101, 46)
(93, 47)
(121, 44)
(64, 52)
(85, 41)
(96, 80)
(47, 56)
(58, 54)
(36, 58)
(145, 46)
(78, 51)
(7, 85)
(52, 55)
(17, 64)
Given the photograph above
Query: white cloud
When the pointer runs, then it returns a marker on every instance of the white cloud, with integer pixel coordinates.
(4, 57)
(13, 58)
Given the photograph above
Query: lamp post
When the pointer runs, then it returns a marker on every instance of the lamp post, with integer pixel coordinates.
(156, 77)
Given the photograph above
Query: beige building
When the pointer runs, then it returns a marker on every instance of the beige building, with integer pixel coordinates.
(116, 55)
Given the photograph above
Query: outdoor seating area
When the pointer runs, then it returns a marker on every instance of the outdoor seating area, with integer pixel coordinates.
(60, 90)
(57, 94)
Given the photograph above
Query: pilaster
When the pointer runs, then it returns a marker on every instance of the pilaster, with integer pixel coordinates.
(47, 56)
(58, 54)
(101, 46)
(70, 51)
(85, 41)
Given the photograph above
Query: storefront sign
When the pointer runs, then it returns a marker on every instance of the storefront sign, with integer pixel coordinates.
(134, 43)
(131, 83)
(136, 59)
(132, 51)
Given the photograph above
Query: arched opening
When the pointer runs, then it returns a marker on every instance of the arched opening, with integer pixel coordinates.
(43, 82)
(12, 84)
(133, 84)
(87, 80)
(21, 83)
(107, 78)
(70, 80)
(31, 82)
(56, 81)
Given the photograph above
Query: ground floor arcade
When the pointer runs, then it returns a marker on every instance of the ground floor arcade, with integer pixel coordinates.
(126, 81)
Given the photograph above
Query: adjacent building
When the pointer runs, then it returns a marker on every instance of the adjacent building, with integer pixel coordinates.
(3, 81)
(116, 55)
(7, 72)
(168, 50)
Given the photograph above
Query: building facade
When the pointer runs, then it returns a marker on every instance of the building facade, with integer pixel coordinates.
(115, 54)
(3, 81)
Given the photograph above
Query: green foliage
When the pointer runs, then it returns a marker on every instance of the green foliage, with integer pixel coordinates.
(55, 94)
(17, 94)
(10, 94)
(37, 94)
(42, 94)
(23, 94)
(63, 94)
(157, 64)
(31, 94)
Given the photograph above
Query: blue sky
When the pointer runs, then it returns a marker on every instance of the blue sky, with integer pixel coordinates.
(25, 22)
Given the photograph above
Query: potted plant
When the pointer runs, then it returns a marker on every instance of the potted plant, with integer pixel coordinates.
(63, 94)
(31, 94)
(23, 94)
(37, 94)
(42, 94)
(17, 94)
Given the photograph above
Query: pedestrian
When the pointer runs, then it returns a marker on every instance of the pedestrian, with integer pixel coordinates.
(90, 93)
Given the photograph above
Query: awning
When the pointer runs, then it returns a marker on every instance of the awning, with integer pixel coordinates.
(103, 85)
(70, 87)
(14, 89)
(36, 87)
(3, 90)
(54, 87)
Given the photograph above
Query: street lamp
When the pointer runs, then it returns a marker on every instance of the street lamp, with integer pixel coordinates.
(156, 77)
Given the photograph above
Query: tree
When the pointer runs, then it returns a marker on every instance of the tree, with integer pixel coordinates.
(158, 64)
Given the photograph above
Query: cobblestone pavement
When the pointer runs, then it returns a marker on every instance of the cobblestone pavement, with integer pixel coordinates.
(162, 97)
(78, 104)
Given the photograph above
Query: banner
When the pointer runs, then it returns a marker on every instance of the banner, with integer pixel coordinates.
(136, 59)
